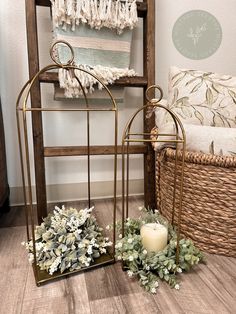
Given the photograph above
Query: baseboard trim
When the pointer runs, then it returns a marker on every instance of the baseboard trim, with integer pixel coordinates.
(77, 191)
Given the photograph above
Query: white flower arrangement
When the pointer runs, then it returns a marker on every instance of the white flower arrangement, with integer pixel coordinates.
(68, 239)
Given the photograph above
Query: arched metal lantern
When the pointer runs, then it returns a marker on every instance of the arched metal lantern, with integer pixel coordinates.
(23, 113)
(177, 138)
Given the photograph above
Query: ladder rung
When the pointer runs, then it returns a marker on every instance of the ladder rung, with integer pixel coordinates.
(142, 7)
(59, 151)
(136, 81)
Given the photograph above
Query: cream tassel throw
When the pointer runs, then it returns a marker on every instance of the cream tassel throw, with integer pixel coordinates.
(113, 14)
(107, 75)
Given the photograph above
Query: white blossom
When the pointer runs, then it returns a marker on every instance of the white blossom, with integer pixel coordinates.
(131, 258)
(119, 245)
(145, 252)
(54, 265)
(153, 290)
(84, 260)
(119, 257)
(177, 286)
(39, 246)
(156, 284)
(31, 257)
(93, 241)
(120, 236)
(130, 240)
(130, 273)
(108, 243)
(81, 245)
(179, 270)
(90, 250)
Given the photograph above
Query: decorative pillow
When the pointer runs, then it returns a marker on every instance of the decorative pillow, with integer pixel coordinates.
(205, 139)
(202, 98)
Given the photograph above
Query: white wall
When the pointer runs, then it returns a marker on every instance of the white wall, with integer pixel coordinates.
(14, 72)
(168, 11)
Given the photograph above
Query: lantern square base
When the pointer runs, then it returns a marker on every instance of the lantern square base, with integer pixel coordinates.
(42, 276)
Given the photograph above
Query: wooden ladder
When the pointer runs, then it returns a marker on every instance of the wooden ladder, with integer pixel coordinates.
(146, 10)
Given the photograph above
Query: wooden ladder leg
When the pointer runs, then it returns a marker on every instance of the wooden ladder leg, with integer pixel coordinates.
(149, 73)
(33, 59)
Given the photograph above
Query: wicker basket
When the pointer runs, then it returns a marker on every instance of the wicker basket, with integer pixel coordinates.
(209, 198)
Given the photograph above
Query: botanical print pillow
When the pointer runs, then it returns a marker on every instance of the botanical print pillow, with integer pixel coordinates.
(202, 98)
(204, 139)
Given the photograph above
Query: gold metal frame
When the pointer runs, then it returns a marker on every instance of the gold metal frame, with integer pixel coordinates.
(179, 140)
(22, 109)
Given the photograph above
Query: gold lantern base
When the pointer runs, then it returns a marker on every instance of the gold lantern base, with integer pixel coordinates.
(42, 276)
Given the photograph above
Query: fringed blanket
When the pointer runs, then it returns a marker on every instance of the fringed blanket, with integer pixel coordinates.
(100, 33)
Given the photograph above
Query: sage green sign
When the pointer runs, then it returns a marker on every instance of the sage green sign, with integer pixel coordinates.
(197, 34)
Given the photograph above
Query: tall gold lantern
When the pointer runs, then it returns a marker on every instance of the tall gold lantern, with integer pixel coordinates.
(23, 111)
(177, 138)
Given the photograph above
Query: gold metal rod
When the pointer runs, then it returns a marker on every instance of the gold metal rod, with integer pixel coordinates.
(174, 187)
(26, 210)
(139, 133)
(180, 202)
(115, 182)
(159, 134)
(30, 190)
(123, 189)
(127, 181)
(88, 157)
(153, 141)
(175, 175)
(22, 174)
(88, 138)
(20, 94)
(67, 109)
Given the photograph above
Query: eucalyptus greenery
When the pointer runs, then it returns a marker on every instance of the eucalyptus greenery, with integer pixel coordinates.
(67, 239)
(149, 267)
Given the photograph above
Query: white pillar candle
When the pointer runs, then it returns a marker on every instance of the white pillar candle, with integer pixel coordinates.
(154, 237)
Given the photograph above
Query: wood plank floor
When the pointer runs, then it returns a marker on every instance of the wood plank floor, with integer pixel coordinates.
(209, 288)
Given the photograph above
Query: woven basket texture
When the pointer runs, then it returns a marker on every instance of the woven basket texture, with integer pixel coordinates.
(209, 198)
